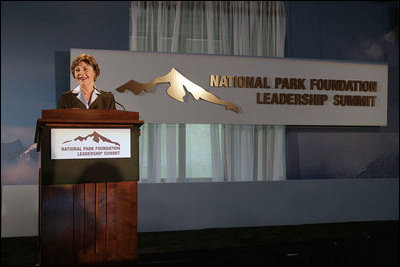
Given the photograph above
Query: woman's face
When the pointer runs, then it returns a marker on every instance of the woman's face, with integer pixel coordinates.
(84, 74)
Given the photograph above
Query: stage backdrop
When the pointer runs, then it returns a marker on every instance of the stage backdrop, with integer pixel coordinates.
(190, 88)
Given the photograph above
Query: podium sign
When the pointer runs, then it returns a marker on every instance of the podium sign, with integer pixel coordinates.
(90, 143)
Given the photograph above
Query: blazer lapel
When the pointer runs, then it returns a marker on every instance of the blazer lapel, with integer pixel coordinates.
(78, 101)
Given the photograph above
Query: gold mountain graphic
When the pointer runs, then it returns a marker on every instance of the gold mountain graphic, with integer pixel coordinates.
(178, 84)
(96, 138)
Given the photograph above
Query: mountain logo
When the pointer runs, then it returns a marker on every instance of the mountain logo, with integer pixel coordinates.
(96, 137)
(178, 84)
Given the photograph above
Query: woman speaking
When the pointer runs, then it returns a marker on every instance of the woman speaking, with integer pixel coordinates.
(85, 71)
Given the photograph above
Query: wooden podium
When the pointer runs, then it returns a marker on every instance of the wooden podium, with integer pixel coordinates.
(88, 206)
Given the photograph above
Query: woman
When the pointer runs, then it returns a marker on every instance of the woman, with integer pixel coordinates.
(85, 71)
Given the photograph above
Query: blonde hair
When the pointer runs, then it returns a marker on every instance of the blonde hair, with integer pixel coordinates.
(87, 59)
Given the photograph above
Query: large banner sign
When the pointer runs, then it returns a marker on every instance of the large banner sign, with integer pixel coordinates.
(194, 88)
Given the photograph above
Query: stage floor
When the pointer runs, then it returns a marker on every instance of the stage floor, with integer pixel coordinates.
(337, 244)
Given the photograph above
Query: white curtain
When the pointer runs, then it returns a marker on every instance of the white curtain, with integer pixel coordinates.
(173, 153)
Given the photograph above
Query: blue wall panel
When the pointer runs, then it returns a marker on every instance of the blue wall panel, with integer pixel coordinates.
(352, 31)
(35, 40)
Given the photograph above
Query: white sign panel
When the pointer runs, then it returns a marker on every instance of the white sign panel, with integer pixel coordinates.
(90, 143)
(194, 88)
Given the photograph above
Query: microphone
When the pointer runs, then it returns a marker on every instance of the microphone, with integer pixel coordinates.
(111, 98)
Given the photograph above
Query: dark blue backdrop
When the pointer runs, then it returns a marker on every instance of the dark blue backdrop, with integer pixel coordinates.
(363, 31)
(36, 38)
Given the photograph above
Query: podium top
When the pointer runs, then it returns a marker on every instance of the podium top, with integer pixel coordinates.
(85, 117)
(75, 115)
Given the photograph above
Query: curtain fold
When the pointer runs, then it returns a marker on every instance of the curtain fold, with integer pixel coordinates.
(249, 28)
